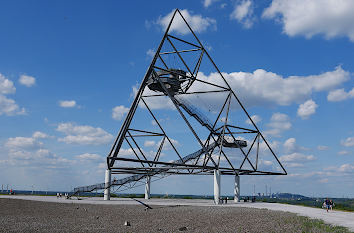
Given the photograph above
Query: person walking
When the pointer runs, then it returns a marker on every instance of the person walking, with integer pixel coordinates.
(328, 203)
(331, 203)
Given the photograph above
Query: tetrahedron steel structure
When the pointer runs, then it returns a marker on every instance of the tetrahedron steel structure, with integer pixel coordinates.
(186, 119)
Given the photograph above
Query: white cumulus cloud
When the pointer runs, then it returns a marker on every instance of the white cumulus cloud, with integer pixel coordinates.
(255, 119)
(329, 18)
(27, 80)
(207, 3)
(40, 158)
(149, 143)
(307, 109)
(118, 112)
(340, 95)
(88, 156)
(343, 152)
(39, 134)
(22, 143)
(243, 13)
(198, 23)
(150, 53)
(260, 88)
(83, 134)
(6, 86)
(296, 157)
(267, 88)
(346, 168)
(279, 122)
(67, 103)
(348, 142)
(290, 145)
(29, 152)
(8, 106)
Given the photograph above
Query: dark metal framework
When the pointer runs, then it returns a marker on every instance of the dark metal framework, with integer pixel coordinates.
(203, 161)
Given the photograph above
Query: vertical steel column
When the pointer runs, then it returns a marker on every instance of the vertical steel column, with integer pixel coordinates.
(107, 186)
(237, 188)
(147, 187)
(217, 186)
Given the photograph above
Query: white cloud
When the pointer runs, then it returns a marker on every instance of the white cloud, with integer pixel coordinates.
(161, 102)
(40, 158)
(290, 145)
(126, 152)
(260, 88)
(149, 143)
(341, 170)
(346, 168)
(27, 81)
(243, 13)
(340, 95)
(22, 143)
(266, 162)
(197, 22)
(88, 156)
(6, 86)
(118, 112)
(255, 119)
(150, 53)
(83, 134)
(279, 122)
(296, 157)
(9, 107)
(67, 103)
(102, 165)
(266, 88)
(348, 142)
(207, 3)
(320, 147)
(343, 152)
(39, 134)
(307, 109)
(263, 146)
(308, 18)
(167, 145)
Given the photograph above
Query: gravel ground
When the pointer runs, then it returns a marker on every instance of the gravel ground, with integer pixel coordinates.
(35, 216)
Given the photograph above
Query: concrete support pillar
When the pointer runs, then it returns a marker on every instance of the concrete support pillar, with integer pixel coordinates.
(237, 188)
(107, 188)
(217, 186)
(147, 188)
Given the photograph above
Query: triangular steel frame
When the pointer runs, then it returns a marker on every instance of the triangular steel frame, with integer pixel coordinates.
(190, 164)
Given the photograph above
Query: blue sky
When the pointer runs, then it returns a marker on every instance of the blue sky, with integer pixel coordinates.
(68, 70)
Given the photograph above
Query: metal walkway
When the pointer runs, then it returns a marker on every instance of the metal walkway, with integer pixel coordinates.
(138, 177)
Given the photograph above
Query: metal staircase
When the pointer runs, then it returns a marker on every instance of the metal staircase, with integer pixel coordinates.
(138, 177)
(192, 111)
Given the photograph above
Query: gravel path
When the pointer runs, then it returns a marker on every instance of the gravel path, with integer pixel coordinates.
(33, 216)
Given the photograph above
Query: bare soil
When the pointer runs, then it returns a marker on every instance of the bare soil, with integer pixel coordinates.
(35, 216)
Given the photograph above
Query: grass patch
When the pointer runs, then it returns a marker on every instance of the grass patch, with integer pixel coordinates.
(315, 225)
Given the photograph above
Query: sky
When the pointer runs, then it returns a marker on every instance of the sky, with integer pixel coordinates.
(68, 71)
